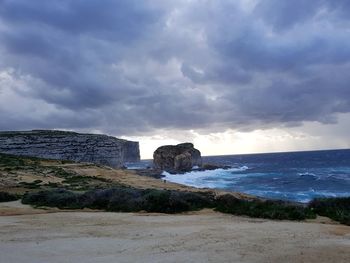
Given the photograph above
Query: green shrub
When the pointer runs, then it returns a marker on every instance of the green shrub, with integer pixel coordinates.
(31, 185)
(127, 200)
(124, 199)
(51, 184)
(55, 198)
(78, 179)
(7, 197)
(337, 209)
(121, 199)
(7, 160)
(199, 200)
(165, 201)
(262, 209)
(62, 173)
(116, 199)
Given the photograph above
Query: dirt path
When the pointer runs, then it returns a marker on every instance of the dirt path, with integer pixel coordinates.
(203, 236)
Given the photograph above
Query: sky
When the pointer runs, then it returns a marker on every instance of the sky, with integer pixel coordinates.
(231, 76)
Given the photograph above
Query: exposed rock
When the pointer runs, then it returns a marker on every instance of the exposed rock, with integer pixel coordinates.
(209, 166)
(181, 157)
(62, 145)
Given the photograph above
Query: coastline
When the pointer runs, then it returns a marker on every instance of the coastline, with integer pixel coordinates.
(28, 234)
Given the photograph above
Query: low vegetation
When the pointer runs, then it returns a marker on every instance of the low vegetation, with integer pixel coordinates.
(337, 209)
(125, 199)
(122, 199)
(41, 174)
(10, 161)
(263, 209)
(6, 197)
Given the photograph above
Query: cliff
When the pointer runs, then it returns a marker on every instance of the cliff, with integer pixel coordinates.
(63, 145)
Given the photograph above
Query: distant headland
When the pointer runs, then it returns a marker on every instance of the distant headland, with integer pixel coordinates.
(67, 145)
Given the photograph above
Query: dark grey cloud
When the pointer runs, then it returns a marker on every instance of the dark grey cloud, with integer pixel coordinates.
(121, 20)
(129, 67)
(284, 14)
(65, 43)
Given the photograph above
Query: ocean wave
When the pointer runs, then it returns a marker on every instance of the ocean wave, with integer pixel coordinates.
(342, 177)
(243, 168)
(299, 186)
(299, 196)
(219, 178)
(309, 175)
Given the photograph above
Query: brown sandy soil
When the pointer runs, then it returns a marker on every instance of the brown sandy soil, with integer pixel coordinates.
(204, 236)
(125, 177)
(16, 208)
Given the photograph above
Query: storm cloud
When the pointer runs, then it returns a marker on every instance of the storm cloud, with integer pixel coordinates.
(129, 67)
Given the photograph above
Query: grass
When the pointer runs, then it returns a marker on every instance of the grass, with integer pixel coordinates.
(26, 162)
(60, 172)
(74, 181)
(11, 164)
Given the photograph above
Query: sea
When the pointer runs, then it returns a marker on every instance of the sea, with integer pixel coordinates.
(292, 176)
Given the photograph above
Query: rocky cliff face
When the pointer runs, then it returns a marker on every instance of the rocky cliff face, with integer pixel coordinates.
(173, 158)
(62, 145)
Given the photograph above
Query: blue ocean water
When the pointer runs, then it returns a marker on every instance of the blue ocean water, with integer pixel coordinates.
(294, 176)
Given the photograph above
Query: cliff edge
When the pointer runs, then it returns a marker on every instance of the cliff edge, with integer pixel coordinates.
(64, 145)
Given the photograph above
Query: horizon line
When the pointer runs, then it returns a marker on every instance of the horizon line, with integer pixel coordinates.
(338, 149)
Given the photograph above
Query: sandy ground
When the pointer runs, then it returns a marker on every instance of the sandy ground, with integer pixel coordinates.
(203, 236)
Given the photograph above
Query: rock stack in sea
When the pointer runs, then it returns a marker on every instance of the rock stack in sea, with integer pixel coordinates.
(177, 158)
(63, 145)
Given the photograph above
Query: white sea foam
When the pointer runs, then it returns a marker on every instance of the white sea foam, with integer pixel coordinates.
(309, 175)
(135, 165)
(218, 178)
(306, 174)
